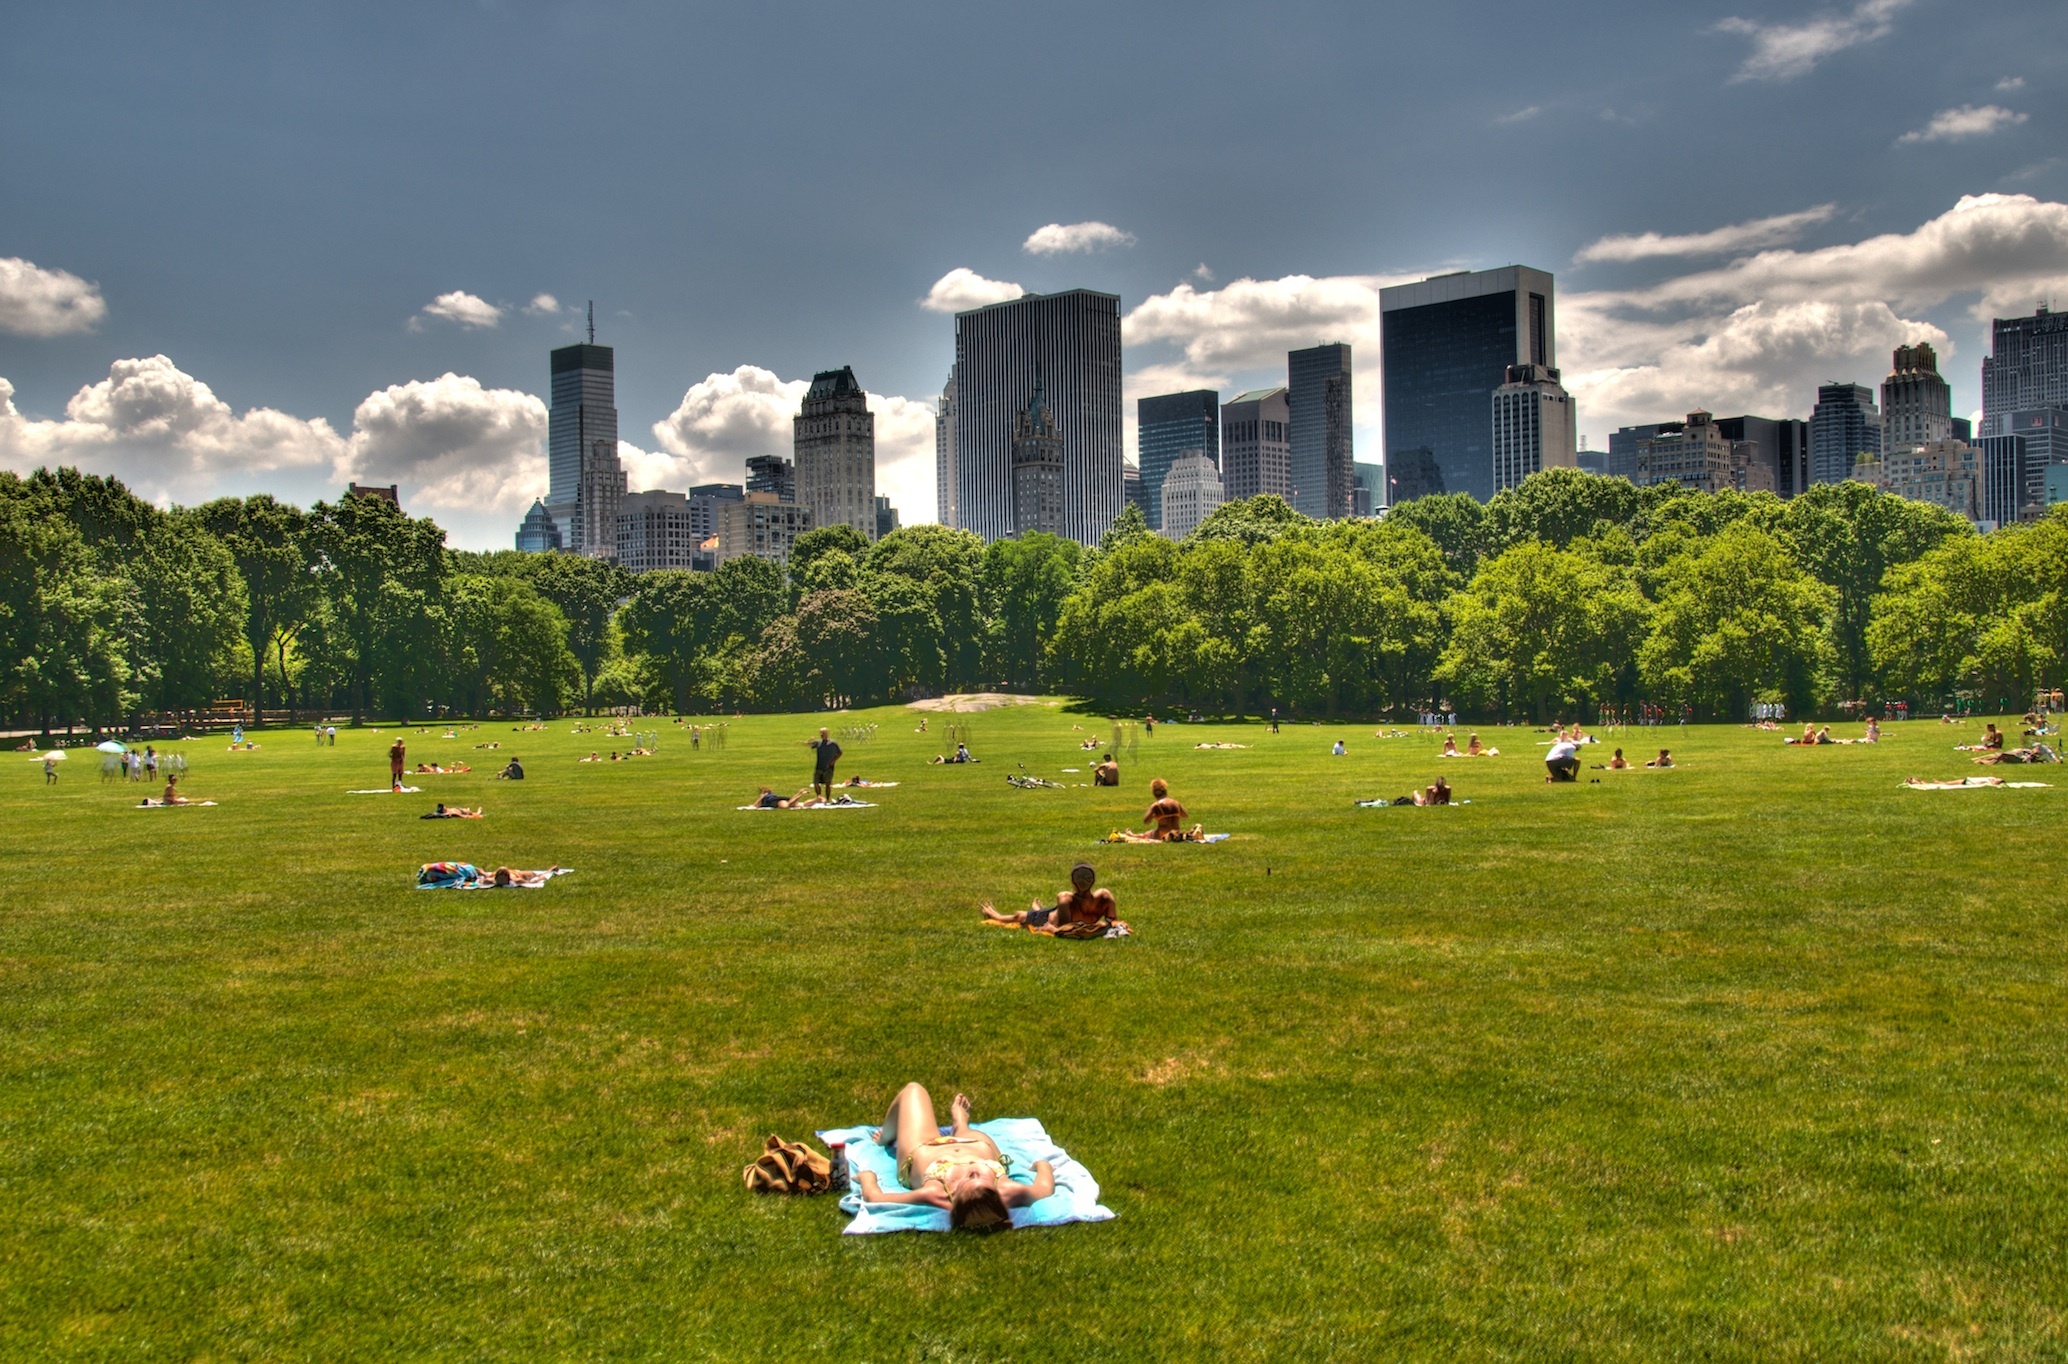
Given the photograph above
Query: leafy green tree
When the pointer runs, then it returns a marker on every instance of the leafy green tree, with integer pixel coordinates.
(1025, 583)
(841, 539)
(947, 565)
(836, 629)
(509, 647)
(266, 539)
(1738, 621)
(667, 622)
(1981, 613)
(64, 622)
(588, 593)
(1556, 506)
(1539, 630)
(194, 612)
(1849, 535)
(1455, 522)
(1131, 524)
(382, 575)
(1250, 520)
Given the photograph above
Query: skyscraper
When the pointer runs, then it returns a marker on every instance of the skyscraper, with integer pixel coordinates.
(2003, 492)
(1534, 425)
(1037, 468)
(1318, 399)
(1165, 427)
(946, 492)
(584, 481)
(834, 439)
(1073, 340)
(772, 474)
(1781, 445)
(655, 531)
(1370, 489)
(1844, 425)
(1916, 403)
(1191, 491)
(538, 534)
(1256, 455)
(1698, 454)
(1447, 345)
(2026, 368)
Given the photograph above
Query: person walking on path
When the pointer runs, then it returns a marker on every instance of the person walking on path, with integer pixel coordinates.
(822, 770)
(396, 756)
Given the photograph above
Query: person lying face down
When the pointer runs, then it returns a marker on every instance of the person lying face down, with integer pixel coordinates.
(964, 1171)
(1080, 904)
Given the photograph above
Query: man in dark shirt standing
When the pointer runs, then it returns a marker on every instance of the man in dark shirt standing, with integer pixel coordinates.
(822, 771)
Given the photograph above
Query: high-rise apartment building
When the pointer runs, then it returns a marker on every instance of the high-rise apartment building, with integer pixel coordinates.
(538, 534)
(1844, 425)
(834, 440)
(584, 480)
(1165, 427)
(1072, 340)
(1321, 448)
(1037, 469)
(1447, 344)
(1779, 445)
(774, 475)
(1697, 454)
(2026, 368)
(1916, 403)
(1534, 425)
(656, 531)
(947, 506)
(1256, 450)
(1191, 491)
(1946, 473)
(1622, 446)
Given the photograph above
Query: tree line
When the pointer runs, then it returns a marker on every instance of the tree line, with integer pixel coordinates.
(1567, 594)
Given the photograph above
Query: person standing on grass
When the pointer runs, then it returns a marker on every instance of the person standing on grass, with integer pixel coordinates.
(828, 753)
(50, 771)
(396, 756)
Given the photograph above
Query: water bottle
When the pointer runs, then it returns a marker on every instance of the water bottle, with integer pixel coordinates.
(839, 1177)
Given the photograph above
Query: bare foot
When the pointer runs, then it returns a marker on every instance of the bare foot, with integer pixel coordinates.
(959, 1109)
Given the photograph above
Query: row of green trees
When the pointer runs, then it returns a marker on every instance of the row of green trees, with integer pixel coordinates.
(1566, 594)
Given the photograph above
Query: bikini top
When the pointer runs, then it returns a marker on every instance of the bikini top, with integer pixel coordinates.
(959, 1153)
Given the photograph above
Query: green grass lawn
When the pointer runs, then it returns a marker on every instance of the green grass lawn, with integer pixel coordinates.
(1759, 1058)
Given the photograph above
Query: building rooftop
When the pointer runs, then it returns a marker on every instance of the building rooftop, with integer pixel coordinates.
(1255, 395)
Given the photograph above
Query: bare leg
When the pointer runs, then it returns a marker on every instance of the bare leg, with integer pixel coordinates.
(909, 1124)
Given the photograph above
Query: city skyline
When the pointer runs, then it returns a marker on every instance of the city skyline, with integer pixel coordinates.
(243, 323)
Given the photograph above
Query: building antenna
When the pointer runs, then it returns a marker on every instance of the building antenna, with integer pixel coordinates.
(592, 321)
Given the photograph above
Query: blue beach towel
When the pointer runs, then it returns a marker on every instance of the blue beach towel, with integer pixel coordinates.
(1023, 1140)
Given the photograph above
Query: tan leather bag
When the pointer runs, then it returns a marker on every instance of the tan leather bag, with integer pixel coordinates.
(789, 1167)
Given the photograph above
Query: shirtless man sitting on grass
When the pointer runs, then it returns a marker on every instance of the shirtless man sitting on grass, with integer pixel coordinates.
(964, 1172)
(1079, 905)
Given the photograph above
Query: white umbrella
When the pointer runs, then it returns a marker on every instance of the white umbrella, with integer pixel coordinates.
(110, 746)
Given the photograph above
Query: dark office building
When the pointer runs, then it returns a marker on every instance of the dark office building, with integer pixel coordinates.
(1071, 341)
(1318, 401)
(1844, 425)
(1413, 473)
(1448, 343)
(584, 479)
(1370, 488)
(1622, 446)
(2006, 482)
(772, 474)
(1782, 445)
(2026, 368)
(1166, 426)
(1255, 456)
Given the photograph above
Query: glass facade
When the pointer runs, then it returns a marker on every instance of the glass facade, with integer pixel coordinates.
(1166, 426)
(581, 449)
(1318, 403)
(1442, 363)
(1845, 425)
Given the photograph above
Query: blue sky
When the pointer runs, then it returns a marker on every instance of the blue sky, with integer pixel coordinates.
(226, 231)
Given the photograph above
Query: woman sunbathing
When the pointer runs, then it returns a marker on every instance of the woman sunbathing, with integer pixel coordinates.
(506, 878)
(1664, 759)
(1476, 749)
(445, 811)
(1450, 746)
(1078, 911)
(1619, 762)
(1164, 812)
(964, 1172)
(1992, 740)
(1436, 793)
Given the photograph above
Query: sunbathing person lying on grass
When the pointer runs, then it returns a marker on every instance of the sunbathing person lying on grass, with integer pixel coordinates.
(171, 796)
(435, 769)
(961, 756)
(964, 1172)
(2038, 753)
(1992, 741)
(445, 811)
(1436, 793)
(1079, 912)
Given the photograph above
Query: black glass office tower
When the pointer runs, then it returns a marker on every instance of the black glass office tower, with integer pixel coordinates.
(1448, 342)
(1165, 427)
(1072, 341)
(584, 481)
(1320, 448)
(1844, 425)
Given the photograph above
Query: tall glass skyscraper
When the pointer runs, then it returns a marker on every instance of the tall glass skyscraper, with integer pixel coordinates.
(1166, 426)
(1318, 401)
(1448, 342)
(1844, 425)
(584, 481)
(1072, 341)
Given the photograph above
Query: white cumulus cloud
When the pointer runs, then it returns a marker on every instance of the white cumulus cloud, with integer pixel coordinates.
(163, 432)
(963, 288)
(1519, 116)
(458, 450)
(464, 308)
(1722, 241)
(2009, 83)
(542, 305)
(1056, 239)
(39, 302)
(1957, 125)
(1783, 51)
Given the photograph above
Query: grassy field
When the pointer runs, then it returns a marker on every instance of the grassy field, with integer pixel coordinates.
(1759, 1058)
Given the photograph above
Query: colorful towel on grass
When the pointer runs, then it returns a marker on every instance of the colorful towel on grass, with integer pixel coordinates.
(1966, 784)
(171, 804)
(467, 876)
(1023, 1140)
(1209, 838)
(835, 805)
(388, 791)
(1383, 804)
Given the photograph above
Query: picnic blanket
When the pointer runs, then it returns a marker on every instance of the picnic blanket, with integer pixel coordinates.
(1965, 784)
(388, 791)
(1210, 838)
(150, 804)
(833, 805)
(1022, 1140)
(467, 876)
